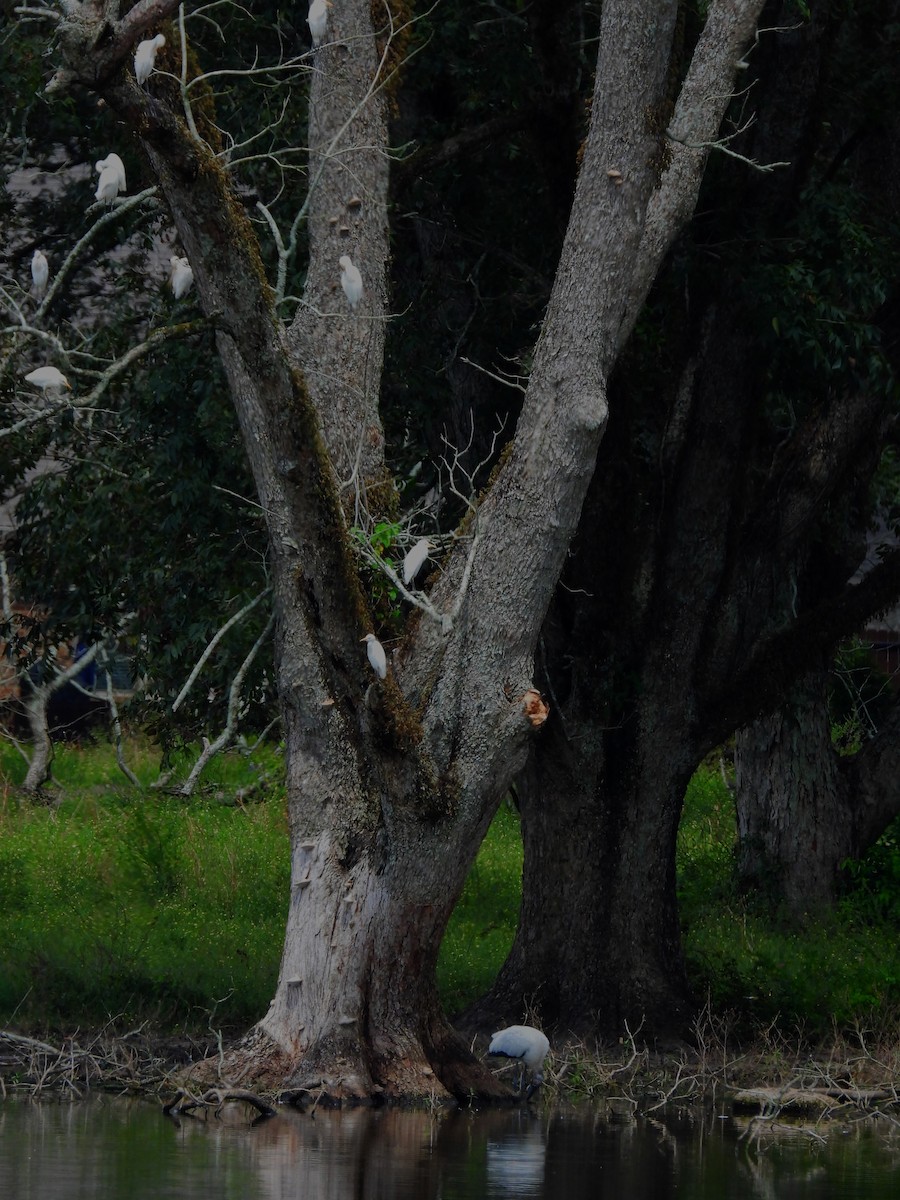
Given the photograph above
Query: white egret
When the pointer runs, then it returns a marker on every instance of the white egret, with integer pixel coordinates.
(49, 379)
(415, 559)
(145, 58)
(113, 161)
(181, 277)
(108, 185)
(351, 281)
(318, 21)
(377, 656)
(529, 1046)
(40, 273)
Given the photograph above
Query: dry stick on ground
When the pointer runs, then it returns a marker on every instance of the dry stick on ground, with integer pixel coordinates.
(107, 1061)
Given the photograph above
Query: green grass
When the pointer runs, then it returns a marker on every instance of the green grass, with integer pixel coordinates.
(140, 904)
(841, 970)
(483, 924)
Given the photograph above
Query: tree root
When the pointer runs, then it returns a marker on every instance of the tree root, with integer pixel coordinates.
(215, 1098)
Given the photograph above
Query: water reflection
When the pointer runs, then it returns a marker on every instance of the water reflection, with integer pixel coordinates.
(114, 1148)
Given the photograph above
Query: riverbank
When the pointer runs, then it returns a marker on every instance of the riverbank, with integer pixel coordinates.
(169, 914)
(769, 1075)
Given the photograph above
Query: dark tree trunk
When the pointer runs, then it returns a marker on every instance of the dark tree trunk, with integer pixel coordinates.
(803, 809)
(791, 812)
(704, 583)
(598, 946)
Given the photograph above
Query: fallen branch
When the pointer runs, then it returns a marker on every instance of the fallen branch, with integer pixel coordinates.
(810, 1099)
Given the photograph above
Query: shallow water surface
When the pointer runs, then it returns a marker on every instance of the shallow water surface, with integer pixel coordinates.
(107, 1148)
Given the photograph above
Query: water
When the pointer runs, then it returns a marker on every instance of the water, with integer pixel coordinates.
(106, 1149)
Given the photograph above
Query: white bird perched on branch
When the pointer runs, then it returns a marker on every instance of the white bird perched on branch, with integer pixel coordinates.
(108, 185)
(181, 277)
(318, 21)
(40, 273)
(145, 58)
(351, 281)
(48, 379)
(113, 162)
(415, 559)
(529, 1046)
(377, 656)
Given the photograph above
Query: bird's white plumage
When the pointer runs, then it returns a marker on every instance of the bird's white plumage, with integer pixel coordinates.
(415, 559)
(108, 185)
(48, 379)
(40, 272)
(521, 1041)
(351, 280)
(181, 277)
(377, 656)
(318, 21)
(113, 162)
(145, 58)
(526, 1044)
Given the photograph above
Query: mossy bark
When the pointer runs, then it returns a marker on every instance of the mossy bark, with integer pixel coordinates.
(392, 785)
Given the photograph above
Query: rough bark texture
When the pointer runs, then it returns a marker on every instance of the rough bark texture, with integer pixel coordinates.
(705, 579)
(392, 783)
(342, 350)
(618, 965)
(792, 835)
(802, 808)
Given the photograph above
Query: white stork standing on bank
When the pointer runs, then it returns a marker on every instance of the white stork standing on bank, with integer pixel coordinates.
(529, 1046)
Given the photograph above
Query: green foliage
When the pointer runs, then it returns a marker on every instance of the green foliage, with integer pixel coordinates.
(874, 897)
(823, 288)
(156, 497)
(859, 696)
(384, 596)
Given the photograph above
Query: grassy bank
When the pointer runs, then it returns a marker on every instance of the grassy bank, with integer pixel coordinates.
(145, 906)
(115, 904)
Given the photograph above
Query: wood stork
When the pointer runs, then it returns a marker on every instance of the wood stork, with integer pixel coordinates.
(529, 1046)
(351, 281)
(377, 656)
(145, 58)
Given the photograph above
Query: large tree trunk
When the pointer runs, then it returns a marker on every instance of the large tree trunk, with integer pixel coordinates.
(803, 809)
(598, 947)
(392, 783)
(700, 588)
(791, 815)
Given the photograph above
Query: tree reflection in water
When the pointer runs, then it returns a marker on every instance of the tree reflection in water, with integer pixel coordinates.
(105, 1149)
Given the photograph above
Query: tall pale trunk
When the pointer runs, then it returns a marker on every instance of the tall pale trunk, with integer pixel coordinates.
(392, 783)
